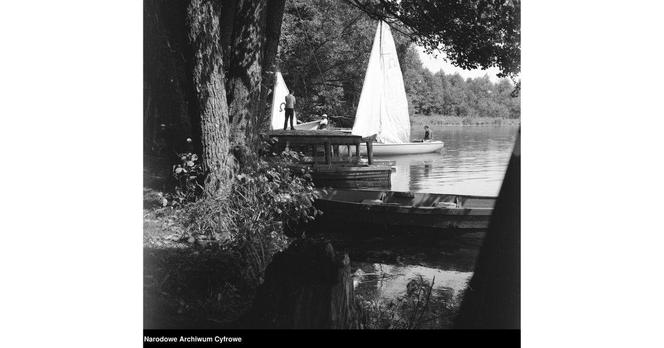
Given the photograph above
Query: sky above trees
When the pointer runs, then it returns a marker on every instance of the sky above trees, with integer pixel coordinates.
(437, 62)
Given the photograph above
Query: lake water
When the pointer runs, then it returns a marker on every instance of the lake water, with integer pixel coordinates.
(473, 161)
(383, 268)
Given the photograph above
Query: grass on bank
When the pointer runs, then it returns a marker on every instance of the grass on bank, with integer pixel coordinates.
(419, 120)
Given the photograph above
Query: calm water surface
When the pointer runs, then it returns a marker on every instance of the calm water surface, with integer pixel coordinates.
(473, 161)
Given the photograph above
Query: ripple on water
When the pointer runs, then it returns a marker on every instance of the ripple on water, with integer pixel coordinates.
(383, 281)
(473, 162)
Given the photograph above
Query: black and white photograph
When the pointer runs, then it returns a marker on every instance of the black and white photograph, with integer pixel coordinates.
(331, 164)
(331, 172)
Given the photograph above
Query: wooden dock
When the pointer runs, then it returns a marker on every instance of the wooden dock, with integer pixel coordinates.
(338, 169)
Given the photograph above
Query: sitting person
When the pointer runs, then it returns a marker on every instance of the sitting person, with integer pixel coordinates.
(323, 122)
(428, 136)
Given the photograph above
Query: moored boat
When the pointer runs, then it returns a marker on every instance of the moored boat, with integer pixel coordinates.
(380, 149)
(313, 125)
(405, 211)
(382, 111)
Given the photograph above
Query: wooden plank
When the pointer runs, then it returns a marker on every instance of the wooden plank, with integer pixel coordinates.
(314, 133)
(316, 137)
(348, 169)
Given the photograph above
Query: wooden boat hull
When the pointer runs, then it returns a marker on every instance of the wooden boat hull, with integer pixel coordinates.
(405, 211)
(380, 149)
(352, 177)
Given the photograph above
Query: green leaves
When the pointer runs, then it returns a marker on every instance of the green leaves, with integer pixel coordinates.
(472, 34)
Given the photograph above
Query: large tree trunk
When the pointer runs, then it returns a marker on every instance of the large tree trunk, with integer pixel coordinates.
(187, 47)
(204, 33)
(254, 47)
(275, 11)
(492, 300)
(245, 71)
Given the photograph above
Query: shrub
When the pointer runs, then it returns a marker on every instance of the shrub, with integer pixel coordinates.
(269, 197)
(188, 174)
(404, 312)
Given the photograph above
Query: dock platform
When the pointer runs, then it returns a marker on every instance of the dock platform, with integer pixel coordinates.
(337, 169)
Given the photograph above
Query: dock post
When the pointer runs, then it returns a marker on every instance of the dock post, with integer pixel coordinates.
(357, 152)
(328, 154)
(350, 156)
(370, 152)
(313, 152)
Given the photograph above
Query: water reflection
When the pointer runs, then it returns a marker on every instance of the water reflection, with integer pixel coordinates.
(473, 162)
(384, 268)
(390, 281)
(408, 296)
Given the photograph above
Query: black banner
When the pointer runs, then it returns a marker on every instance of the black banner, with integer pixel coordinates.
(263, 338)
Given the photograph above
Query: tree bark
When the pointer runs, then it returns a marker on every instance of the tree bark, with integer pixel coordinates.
(245, 71)
(254, 46)
(204, 34)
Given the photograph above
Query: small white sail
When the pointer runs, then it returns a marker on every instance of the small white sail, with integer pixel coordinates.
(279, 93)
(383, 107)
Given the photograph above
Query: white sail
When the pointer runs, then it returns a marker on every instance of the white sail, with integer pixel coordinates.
(383, 107)
(279, 93)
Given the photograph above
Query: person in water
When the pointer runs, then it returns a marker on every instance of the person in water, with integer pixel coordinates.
(428, 136)
(323, 122)
(290, 110)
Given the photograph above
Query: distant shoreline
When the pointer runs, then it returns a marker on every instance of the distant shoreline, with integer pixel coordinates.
(440, 120)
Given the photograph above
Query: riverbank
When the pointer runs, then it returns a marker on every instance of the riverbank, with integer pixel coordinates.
(205, 256)
(205, 259)
(186, 284)
(191, 284)
(418, 120)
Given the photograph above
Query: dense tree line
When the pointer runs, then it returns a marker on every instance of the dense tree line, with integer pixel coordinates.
(452, 95)
(323, 55)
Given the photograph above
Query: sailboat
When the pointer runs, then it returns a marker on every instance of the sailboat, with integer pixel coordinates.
(383, 108)
(278, 114)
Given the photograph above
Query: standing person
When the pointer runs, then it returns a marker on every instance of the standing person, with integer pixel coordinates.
(427, 134)
(290, 110)
(323, 122)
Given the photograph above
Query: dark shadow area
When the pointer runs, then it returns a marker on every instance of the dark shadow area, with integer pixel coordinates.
(493, 298)
(193, 288)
